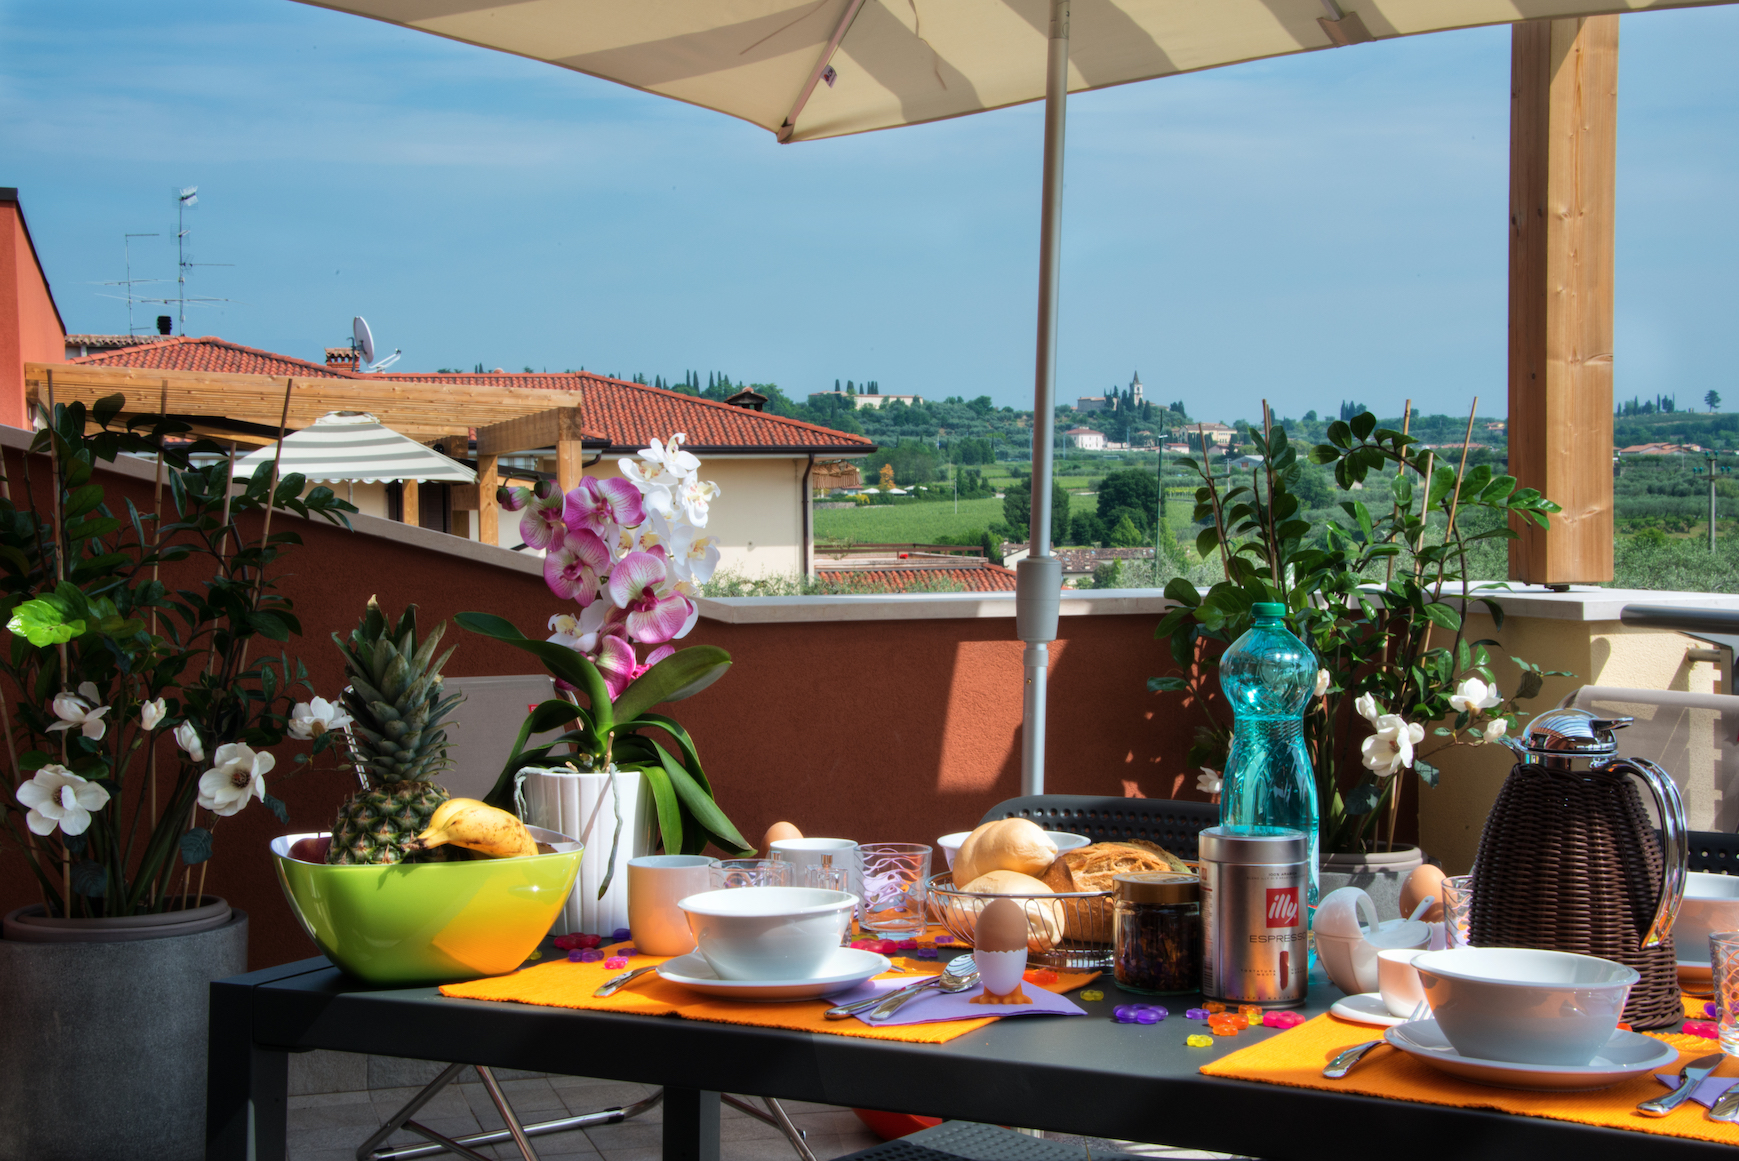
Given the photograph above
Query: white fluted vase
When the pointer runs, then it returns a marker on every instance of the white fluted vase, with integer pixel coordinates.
(562, 800)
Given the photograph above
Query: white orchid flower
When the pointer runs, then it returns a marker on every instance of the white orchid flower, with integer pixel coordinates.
(694, 557)
(671, 458)
(1496, 728)
(1367, 707)
(310, 719)
(1209, 781)
(152, 712)
(56, 797)
(238, 773)
(1391, 747)
(80, 710)
(694, 496)
(187, 737)
(1474, 696)
(1322, 682)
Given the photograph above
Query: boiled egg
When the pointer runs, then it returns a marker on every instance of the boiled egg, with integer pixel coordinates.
(1425, 880)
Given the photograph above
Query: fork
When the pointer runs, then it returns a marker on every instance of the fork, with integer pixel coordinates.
(1342, 1063)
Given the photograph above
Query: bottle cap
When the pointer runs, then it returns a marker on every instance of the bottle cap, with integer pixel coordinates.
(1268, 609)
(1157, 887)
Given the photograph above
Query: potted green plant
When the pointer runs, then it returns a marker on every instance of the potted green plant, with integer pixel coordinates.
(135, 722)
(630, 553)
(1380, 596)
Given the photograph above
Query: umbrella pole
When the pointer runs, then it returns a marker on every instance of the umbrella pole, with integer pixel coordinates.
(1039, 578)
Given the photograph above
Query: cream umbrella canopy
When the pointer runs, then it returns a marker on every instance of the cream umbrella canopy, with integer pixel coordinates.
(811, 69)
(353, 446)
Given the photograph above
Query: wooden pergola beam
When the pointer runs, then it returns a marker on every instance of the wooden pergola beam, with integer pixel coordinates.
(423, 411)
(1563, 148)
(558, 427)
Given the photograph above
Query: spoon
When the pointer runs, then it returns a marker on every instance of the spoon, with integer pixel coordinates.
(961, 973)
(1424, 906)
(959, 965)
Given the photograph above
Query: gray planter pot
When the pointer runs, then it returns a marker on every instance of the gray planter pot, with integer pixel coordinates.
(102, 1051)
(1379, 874)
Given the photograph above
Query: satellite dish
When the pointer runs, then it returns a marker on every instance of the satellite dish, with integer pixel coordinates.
(364, 339)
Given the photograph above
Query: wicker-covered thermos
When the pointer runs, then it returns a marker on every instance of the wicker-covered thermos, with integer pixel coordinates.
(1569, 859)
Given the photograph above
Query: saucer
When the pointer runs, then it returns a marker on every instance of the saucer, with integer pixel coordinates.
(1696, 978)
(846, 968)
(1626, 1055)
(1366, 1008)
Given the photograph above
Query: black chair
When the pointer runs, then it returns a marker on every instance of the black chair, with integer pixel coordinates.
(1715, 852)
(1172, 823)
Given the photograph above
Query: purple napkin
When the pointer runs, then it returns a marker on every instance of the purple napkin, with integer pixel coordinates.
(1708, 1091)
(934, 1007)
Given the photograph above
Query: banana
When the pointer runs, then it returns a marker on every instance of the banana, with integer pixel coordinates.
(465, 822)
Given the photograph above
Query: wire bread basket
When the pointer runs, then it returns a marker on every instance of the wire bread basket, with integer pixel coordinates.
(1065, 930)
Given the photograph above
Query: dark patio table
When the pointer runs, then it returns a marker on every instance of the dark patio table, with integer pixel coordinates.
(1089, 1075)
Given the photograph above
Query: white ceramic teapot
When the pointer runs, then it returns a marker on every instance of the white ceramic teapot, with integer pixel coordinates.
(1348, 947)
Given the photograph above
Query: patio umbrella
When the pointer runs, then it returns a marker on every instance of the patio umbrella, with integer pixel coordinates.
(354, 447)
(810, 69)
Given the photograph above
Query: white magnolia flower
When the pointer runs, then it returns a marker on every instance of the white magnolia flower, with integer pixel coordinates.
(56, 797)
(1209, 781)
(237, 774)
(1496, 728)
(1367, 707)
(187, 737)
(75, 710)
(308, 720)
(152, 712)
(1391, 747)
(1474, 696)
(1322, 682)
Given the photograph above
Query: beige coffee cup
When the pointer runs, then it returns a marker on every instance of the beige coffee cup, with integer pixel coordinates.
(655, 882)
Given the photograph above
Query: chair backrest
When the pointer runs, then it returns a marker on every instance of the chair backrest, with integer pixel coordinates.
(1690, 735)
(1714, 852)
(1172, 823)
(483, 726)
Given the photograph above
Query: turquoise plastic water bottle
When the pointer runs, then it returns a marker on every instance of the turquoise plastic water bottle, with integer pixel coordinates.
(1269, 676)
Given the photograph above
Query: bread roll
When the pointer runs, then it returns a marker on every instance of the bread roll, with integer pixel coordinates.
(1044, 919)
(1091, 868)
(1008, 844)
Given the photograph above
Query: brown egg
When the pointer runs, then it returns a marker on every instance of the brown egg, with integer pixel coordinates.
(1001, 927)
(778, 832)
(1425, 880)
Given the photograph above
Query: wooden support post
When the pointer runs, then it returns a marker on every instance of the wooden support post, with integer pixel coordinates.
(488, 512)
(570, 463)
(408, 506)
(1563, 142)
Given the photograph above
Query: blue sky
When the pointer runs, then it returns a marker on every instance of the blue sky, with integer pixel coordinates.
(1318, 228)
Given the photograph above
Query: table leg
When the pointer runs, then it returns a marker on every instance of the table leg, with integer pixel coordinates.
(691, 1125)
(246, 1087)
(269, 1104)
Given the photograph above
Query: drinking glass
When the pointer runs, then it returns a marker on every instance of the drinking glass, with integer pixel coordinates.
(893, 877)
(750, 873)
(826, 876)
(1457, 907)
(1724, 960)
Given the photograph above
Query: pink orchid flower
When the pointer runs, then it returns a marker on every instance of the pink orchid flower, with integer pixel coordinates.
(513, 499)
(643, 586)
(598, 505)
(575, 568)
(542, 525)
(619, 669)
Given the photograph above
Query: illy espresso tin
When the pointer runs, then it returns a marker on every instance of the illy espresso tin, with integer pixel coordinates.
(1255, 886)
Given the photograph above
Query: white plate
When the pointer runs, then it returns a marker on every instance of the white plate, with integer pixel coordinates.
(1697, 978)
(1626, 1055)
(845, 969)
(1366, 1008)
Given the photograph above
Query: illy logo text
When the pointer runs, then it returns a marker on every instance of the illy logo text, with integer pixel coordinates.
(1283, 907)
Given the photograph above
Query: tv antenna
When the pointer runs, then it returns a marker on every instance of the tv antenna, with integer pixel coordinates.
(129, 282)
(184, 200)
(362, 343)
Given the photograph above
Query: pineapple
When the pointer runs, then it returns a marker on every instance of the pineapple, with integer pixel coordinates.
(395, 699)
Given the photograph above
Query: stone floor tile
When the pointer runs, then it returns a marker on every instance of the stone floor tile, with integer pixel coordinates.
(735, 1126)
(324, 1071)
(827, 1146)
(597, 1095)
(450, 1101)
(323, 1154)
(629, 1135)
(639, 1153)
(334, 1115)
(322, 1099)
(329, 1137)
(830, 1121)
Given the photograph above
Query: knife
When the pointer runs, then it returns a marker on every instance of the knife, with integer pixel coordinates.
(1726, 1106)
(1693, 1075)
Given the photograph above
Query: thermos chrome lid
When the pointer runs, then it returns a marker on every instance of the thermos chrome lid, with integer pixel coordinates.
(1253, 844)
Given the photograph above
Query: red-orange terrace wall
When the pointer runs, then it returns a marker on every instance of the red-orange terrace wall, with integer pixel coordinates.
(886, 730)
(30, 326)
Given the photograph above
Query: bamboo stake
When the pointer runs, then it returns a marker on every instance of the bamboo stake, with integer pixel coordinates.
(156, 544)
(271, 495)
(1406, 422)
(1268, 469)
(1214, 495)
(223, 538)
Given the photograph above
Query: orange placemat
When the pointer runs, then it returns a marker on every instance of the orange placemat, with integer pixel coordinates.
(1297, 1058)
(561, 984)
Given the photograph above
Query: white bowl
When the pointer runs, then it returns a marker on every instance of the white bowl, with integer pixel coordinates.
(768, 933)
(1522, 1005)
(950, 843)
(1711, 905)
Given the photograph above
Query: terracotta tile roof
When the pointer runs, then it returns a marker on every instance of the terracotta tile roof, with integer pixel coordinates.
(981, 577)
(208, 353)
(630, 415)
(634, 414)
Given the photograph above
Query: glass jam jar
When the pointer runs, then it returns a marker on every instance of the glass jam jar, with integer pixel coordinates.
(1157, 932)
